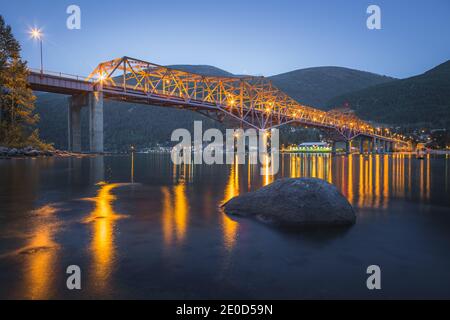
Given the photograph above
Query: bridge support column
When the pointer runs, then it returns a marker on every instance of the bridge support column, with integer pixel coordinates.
(333, 147)
(361, 146)
(96, 121)
(74, 123)
(348, 146)
(374, 145)
(379, 146)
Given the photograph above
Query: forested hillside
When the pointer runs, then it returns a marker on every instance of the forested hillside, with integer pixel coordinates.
(315, 86)
(422, 100)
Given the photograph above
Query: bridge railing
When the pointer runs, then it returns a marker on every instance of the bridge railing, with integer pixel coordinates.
(61, 75)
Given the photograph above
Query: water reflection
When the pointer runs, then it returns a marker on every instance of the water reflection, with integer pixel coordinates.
(366, 180)
(41, 254)
(103, 219)
(369, 181)
(268, 168)
(229, 226)
(175, 213)
(188, 215)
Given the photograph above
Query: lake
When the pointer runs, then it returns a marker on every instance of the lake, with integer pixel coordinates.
(140, 227)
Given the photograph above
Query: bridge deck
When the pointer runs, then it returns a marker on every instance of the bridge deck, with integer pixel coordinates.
(59, 84)
(253, 101)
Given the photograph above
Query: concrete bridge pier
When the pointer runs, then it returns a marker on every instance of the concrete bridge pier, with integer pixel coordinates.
(384, 146)
(380, 147)
(372, 145)
(76, 102)
(389, 147)
(361, 146)
(96, 122)
(348, 146)
(333, 147)
(94, 101)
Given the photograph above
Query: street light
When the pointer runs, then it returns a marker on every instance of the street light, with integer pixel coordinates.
(37, 35)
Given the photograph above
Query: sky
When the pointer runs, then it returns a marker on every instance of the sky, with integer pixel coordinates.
(258, 37)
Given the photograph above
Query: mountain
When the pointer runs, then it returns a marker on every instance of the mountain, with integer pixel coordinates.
(422, 100)
(203, 70)
(316, 86)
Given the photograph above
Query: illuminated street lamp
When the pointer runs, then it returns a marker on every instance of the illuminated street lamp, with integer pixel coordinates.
(102, 77)
(37, 35)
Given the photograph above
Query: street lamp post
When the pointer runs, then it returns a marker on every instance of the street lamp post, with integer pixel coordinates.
(37, 35)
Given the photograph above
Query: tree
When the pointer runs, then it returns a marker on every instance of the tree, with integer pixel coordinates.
(16, 98)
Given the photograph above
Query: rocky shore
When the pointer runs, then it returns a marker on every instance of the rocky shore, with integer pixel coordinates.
(31, 152)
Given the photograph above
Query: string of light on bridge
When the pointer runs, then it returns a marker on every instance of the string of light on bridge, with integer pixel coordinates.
(254, 101)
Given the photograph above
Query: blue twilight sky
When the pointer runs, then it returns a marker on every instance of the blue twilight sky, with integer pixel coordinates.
(258, 37)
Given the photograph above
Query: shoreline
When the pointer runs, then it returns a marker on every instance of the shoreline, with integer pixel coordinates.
(30, 153)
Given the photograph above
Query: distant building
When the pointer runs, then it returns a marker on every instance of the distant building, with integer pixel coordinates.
(313, 145)
(320, 147)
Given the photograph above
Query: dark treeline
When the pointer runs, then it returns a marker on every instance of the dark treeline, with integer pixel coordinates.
(141, 126)
(17, 116)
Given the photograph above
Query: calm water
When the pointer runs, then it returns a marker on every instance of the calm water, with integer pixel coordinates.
(140, 227)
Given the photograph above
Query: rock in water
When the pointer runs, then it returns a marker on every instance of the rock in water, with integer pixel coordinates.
(295, 202)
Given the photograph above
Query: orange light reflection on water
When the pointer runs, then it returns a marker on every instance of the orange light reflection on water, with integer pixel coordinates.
(41, 255)
(103, 219)
(366, 180)
(232, 189)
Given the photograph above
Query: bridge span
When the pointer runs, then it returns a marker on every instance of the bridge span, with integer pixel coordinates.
(253, 101)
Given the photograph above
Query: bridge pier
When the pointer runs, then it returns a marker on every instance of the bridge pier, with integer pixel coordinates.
(348, 146)
(384, 146)
(96, 121)
(74, 123)
(374, 145)
(333, 147)
(380, 146)
(389, 147)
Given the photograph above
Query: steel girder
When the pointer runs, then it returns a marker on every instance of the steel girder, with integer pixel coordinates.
(254, 101)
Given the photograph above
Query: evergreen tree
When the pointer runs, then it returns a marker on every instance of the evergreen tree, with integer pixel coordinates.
(16, 98)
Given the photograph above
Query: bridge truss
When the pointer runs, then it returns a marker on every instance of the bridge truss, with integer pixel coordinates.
(254, 101)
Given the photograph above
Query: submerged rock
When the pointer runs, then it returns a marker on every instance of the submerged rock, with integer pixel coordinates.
(295, 202)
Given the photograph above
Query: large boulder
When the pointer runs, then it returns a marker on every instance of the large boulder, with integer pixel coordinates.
(295, 202)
